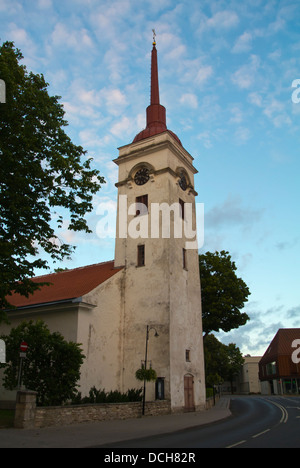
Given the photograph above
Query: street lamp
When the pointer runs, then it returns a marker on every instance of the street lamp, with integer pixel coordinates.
(146, 357)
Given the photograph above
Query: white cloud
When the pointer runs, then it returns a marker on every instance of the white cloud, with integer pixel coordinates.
(276, 55)
(115, 100)
(177, 52)
(196, 72)
(275, 111)
(44, 4)
(221, 20)
(203, 74)
(66, 36)
(255, 98)
(242, 135)
(26, 44)
(237, 114)
(210, 110)
(114, 60)
(232, 212)
(281, 120)
(112, 172)
(76, 111)
(243, 43)
(12, 7)
(245, 76)
(206, 137)
(21, 38)
(272, 107)
(123, 127)
(90, 138)
(224, 19)
(190, 100)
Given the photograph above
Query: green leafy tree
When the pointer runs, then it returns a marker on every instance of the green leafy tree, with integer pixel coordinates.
(45, 179)
(223, 293)
(235, 363)
(52, 365)
(222, 363)
(216, 361)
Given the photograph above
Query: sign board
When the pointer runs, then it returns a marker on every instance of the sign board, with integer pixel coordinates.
(23, 347)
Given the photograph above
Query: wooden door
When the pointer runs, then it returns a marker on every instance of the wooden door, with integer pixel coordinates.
(189, 403)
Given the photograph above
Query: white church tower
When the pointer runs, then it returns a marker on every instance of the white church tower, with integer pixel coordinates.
(155, 243)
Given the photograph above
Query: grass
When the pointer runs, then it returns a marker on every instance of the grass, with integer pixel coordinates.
(6, 418)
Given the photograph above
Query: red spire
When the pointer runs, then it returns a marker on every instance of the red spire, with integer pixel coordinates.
(156, 113)
(154, 77)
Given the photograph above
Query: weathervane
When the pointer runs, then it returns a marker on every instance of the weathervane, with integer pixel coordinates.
(154, 36)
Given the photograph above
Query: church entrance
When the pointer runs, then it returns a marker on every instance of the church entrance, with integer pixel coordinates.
(189, 403)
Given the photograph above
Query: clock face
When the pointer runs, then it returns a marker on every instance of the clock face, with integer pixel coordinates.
(142, 176)
(183, 182)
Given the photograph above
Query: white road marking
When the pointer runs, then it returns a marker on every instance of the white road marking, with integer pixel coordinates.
(238, 443)
(261, 433)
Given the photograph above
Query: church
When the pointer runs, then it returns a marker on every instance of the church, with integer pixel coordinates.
(143, 307)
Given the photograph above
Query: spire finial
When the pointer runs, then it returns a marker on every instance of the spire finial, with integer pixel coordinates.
(154, 37)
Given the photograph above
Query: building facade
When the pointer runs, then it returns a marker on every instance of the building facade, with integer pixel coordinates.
(247, 381)
(279, 368)
(149, 296)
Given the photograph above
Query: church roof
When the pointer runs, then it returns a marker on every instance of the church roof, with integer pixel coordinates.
(281, 345)
(66, 285)
(155, 113)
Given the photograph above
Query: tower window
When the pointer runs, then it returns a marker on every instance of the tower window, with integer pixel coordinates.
(141, 205)
(181, 203)
(160, 388)
(188, 355)
(141, 256)
(184, 262)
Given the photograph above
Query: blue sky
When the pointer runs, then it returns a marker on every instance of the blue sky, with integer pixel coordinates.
(226, 70)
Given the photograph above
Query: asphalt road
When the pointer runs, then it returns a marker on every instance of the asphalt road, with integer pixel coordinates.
(256, 422)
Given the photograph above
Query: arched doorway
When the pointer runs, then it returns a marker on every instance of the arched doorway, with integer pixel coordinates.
(189, 402)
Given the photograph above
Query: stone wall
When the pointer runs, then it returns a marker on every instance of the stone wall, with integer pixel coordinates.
(210, 402)
(66, 415)
(25, 410)
(30, 416)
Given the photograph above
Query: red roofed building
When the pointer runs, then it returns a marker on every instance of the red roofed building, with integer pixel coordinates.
(150, 294)
(84, 306)
(279, 368)
(68, 286)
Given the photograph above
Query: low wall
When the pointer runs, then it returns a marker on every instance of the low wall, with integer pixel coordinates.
(65, 415)
(210, 402)
(25, 410)
(30, 416)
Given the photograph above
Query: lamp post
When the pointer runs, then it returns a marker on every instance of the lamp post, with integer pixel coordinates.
(146, 357)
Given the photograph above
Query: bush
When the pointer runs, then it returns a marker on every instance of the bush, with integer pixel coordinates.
(52, 365)
(146, 374)
(101, 396)
(209, 392)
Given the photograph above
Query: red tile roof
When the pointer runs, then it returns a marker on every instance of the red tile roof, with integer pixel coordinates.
(281, 345)
(68, 284)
